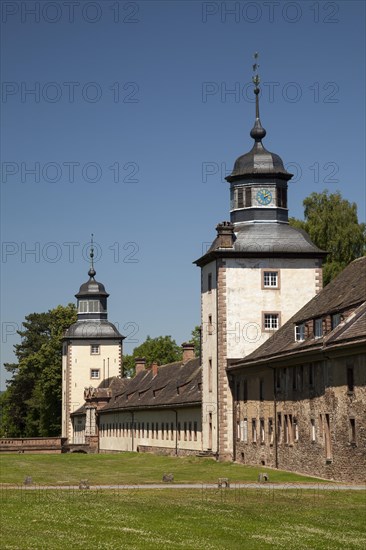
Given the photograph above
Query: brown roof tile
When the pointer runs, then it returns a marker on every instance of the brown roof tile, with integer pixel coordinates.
(175, 384)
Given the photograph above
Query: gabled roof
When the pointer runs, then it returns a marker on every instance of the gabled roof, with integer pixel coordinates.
(346, 292)
(175, 384)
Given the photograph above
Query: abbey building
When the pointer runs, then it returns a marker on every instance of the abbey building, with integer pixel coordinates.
(282, 373)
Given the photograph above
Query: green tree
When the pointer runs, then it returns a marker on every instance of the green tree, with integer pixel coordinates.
(31, 404)
(332, 224)
(162, 349)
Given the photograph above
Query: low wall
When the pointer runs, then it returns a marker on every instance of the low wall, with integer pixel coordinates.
(32, 445)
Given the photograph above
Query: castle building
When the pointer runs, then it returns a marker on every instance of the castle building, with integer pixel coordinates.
(92, 353)
(282, 374)
(258, 272)
(300, 398)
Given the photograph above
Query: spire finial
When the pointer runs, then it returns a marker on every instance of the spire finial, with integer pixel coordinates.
(91, 271)
(257, 132)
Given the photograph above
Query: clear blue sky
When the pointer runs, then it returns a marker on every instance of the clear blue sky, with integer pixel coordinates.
(144, 87)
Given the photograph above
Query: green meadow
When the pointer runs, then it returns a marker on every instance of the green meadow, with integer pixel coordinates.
(128, 468)
(38, 518)
(176, 519)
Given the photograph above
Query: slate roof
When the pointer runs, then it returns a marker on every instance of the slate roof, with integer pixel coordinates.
(271, 239)
(93, 329)
(175, 384)
(346, 291)
(258, 161)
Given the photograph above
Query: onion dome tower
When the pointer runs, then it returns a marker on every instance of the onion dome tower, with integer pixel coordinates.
(258, 182)
(258, 272)
(91, 355)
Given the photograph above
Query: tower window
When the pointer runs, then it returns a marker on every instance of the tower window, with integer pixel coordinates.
(94, 349)
(271, 321)
(240, 198)
(270, 279)
(95, 374)
(248, 196)
(282, 197)
(89, 306)
(209, 282)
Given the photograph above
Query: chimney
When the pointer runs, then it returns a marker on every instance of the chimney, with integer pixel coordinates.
(154, 368)
(225, 234)
(188, 351)
(140, 363)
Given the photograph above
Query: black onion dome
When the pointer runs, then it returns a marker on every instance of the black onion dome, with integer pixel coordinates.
(92, 288)
(258, 162)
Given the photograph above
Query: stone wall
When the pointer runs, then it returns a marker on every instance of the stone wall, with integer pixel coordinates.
(32, 445)
(319, 425)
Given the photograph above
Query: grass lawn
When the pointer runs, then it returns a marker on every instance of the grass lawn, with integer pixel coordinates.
(209, 519)
(127, 468)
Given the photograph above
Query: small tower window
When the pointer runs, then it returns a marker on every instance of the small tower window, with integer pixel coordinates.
(95, 374)
(209, 282)
(271, 321)
(94, 349)
(282, 197)
(89, 306)
(248, 196)
(240, 198)
(270, 279)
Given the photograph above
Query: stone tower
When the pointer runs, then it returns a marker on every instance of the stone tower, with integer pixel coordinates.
(92, 352)
(257, 273)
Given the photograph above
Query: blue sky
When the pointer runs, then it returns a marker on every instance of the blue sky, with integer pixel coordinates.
(138, 111)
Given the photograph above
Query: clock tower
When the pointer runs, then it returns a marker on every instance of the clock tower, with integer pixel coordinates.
(257, 273)
(258, 182)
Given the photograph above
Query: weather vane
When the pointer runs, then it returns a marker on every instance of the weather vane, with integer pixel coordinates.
(256, 79)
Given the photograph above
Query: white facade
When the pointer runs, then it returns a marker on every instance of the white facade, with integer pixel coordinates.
(85, 363)
(179, 430)
(234, 303)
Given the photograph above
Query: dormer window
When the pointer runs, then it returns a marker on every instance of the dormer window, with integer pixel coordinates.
(336, 319)
(300, 332)
(318, 328)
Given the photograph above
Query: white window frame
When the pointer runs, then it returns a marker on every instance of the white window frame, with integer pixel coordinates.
(89, 306)
(93, 372)
(271, 321)
(270, 279)
(94, 349)
(300, 332)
